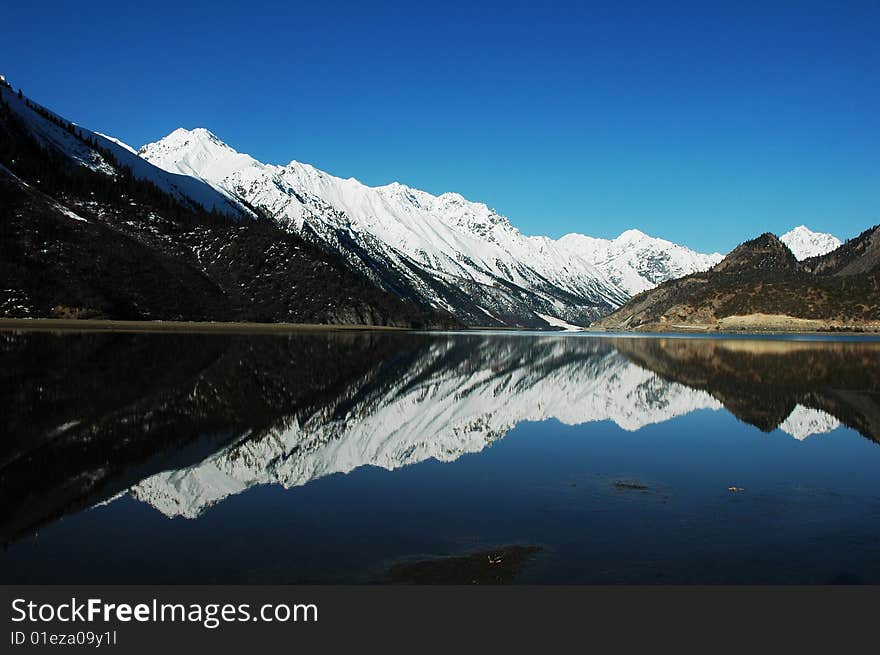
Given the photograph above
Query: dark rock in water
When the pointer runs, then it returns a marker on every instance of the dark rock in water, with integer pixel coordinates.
(624, 485)
(497, 566)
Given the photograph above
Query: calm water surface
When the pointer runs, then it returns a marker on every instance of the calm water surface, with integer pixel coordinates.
(333, 458)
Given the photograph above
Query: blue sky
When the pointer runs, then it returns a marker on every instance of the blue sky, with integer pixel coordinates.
(705, 123)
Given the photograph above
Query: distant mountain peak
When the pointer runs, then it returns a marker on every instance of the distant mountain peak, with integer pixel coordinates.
(805, 243)
(182, 133)
(183, 138)
(632, 235)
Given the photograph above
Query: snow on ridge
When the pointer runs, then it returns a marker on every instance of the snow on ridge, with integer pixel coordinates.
(119, 143)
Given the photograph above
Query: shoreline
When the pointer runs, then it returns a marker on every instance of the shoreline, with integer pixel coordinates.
(728, 334)
(755, 323)
(109, 325)
(205, 327)
(712, 333)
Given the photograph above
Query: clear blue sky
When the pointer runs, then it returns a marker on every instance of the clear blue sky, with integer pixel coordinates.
(705, 123)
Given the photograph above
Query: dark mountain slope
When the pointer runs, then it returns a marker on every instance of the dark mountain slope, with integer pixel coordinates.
(766, 254)
(80, 236)
(760, 285)
(856, 256)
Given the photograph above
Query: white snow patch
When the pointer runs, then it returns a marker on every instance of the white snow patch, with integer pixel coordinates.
(71, 214)
(122, 144)
(558, 322)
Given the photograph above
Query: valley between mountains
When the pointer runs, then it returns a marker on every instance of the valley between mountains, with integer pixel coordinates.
(189, 229)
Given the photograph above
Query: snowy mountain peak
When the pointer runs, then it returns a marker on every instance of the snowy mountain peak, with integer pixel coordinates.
(805, 243)
(181, 134)
(198, 153)
(183, 139)
(631, 235)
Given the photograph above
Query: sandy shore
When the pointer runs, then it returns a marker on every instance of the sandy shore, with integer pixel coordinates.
(756, 324)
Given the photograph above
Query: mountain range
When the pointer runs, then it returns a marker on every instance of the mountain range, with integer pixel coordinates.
(201, 231)
(762, 285)
(454, 254)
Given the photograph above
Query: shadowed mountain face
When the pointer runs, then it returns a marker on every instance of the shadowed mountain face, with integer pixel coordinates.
(183, 421)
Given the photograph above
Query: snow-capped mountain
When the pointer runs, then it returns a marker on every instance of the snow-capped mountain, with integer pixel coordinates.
(636, 262)
(805, 243)
(440, 252)
(442, 407)
(444, 250)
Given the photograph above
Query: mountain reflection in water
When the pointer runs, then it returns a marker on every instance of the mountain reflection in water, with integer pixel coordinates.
(184, 421)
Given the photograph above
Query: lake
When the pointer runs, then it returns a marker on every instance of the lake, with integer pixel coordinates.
(369, 457)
